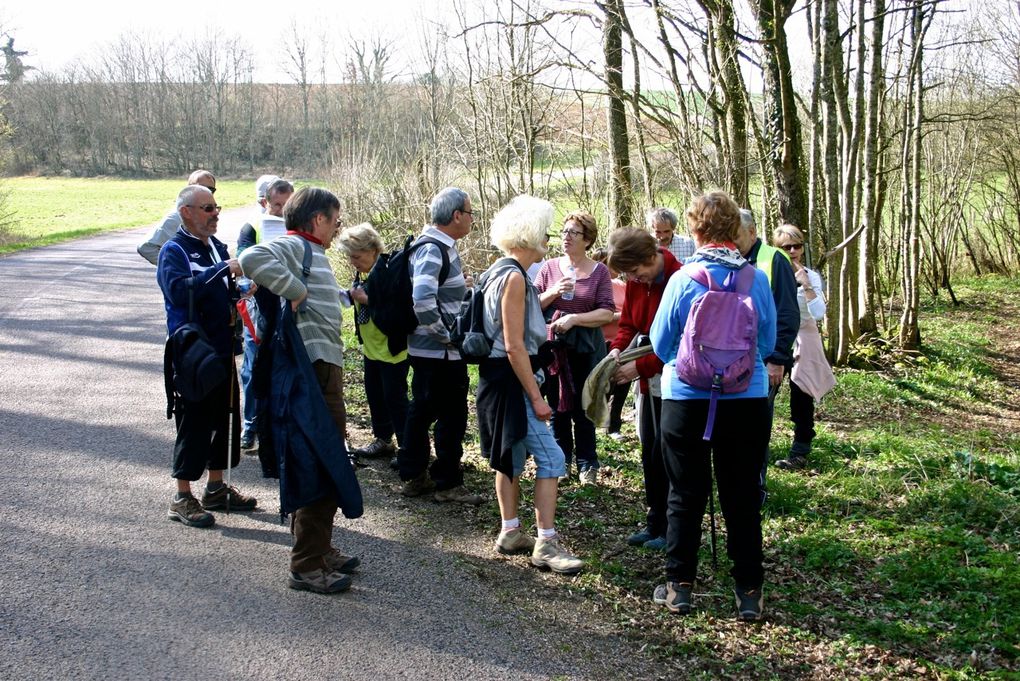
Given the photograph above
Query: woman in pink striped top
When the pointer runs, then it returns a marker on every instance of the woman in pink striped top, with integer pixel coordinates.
(578, 293)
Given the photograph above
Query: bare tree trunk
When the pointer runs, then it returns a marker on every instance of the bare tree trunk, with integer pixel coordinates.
(913, 118)
(621, 197)
(782, 122)
(867, 279)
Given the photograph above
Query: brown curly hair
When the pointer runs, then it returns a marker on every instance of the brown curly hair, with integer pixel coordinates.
(587, 223)
(714, 217)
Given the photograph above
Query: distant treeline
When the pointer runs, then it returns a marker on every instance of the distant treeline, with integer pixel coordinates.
(61, 125)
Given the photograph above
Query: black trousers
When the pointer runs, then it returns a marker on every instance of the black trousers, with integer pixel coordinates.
(656, 481)
(573, 430)
(386, 391)
(738, 440)
(438, 395)
(202, 436)
(802, 413)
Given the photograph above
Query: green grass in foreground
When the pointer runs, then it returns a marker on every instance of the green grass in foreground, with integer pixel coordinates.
(896, 556)
(49, 210)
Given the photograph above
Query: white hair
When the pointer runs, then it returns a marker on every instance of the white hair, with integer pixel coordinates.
(522, 223)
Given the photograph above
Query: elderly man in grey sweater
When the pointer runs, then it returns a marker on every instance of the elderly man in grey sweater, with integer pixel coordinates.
(311, 216)
(439, 384)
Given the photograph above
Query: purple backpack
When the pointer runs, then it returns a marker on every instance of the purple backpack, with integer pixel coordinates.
(719, 345)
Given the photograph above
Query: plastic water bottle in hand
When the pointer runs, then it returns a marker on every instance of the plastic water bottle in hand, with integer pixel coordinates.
(569, 295)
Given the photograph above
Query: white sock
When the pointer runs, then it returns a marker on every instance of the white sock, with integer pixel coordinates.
(511, 524)
(546, 534)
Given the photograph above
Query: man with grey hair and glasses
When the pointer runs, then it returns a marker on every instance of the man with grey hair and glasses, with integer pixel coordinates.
(439, 384)
(662, 222)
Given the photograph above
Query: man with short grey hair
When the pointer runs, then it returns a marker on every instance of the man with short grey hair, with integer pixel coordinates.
(439, 384)
(662, 222)
(164, 231)
(195, 270)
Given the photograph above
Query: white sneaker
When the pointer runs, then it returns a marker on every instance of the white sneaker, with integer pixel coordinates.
(514, 541)
(549, 554)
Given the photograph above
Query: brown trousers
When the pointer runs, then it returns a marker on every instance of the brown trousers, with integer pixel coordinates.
(312, 525)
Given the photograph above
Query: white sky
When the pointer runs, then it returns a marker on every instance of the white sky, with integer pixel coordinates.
(59, 32)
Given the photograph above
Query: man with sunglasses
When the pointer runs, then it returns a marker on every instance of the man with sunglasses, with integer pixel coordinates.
(194, 267)
(776, 265)
(149, 249)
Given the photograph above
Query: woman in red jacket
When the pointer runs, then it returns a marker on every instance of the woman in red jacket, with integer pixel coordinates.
(635, 254)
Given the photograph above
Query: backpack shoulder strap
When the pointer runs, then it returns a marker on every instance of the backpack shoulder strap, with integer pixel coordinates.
(444, 269)
(744, 280)
(306, 269)
(700, 274)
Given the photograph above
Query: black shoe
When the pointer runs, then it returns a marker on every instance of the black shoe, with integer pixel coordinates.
(750, 604)
(395, 464)
(247, 442)
(639, 538)
(793, 463)
(676, 596)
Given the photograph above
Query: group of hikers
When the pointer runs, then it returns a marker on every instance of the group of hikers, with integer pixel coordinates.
(705, 327)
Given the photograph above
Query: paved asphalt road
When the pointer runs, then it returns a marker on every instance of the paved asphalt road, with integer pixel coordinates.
(97, 583)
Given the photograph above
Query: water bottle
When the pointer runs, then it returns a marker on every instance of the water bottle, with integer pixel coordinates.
(569, 295)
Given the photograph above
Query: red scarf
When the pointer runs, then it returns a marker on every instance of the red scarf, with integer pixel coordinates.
(304, 235)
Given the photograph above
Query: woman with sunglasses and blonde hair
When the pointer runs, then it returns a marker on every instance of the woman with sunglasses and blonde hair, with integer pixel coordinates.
(811, 373)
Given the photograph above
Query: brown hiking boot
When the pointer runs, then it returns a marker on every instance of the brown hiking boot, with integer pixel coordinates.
(185, 509)
(460, 495)
(319, 581)
(229, 499)
(418, 486)
(338, 562)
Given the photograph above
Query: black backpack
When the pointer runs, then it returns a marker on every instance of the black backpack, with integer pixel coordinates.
(468, 330)
(389, 292)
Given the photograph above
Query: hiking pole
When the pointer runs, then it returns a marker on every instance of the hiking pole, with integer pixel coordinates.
(231, 422)
(711, 509)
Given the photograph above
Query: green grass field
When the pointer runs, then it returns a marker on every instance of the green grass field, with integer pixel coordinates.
(47, 210)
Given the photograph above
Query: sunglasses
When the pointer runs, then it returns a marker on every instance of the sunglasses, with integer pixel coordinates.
(208, 207)
(792, 247)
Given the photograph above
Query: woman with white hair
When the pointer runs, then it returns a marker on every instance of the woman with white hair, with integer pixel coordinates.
(385, 373)
(512, 414)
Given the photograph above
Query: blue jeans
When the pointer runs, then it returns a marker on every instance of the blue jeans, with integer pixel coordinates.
(248, 428)
(540, 443)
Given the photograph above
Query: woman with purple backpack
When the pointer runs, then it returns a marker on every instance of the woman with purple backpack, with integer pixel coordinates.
(716, 322)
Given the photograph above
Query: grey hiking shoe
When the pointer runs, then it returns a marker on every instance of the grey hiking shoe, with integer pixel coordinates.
(549, 554)
(514, 541)
(338, 562)
(376, 449)
(676, 596)
(187, 511)
(750, 604)
(319, 581)
(460, 495)
(794, 462)
(228, 498)
(589, 476)
(418, 486)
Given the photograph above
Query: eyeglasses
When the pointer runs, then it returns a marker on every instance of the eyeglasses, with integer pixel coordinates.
(791, 247)
(208, 207)
(572, 232)
(469, 212)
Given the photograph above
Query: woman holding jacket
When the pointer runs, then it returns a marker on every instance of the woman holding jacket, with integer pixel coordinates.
(647, 267)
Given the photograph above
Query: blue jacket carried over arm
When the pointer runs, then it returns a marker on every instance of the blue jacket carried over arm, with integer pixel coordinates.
(311, 453)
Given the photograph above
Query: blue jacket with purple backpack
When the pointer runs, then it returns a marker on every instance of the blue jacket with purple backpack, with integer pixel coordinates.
(668, 328)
